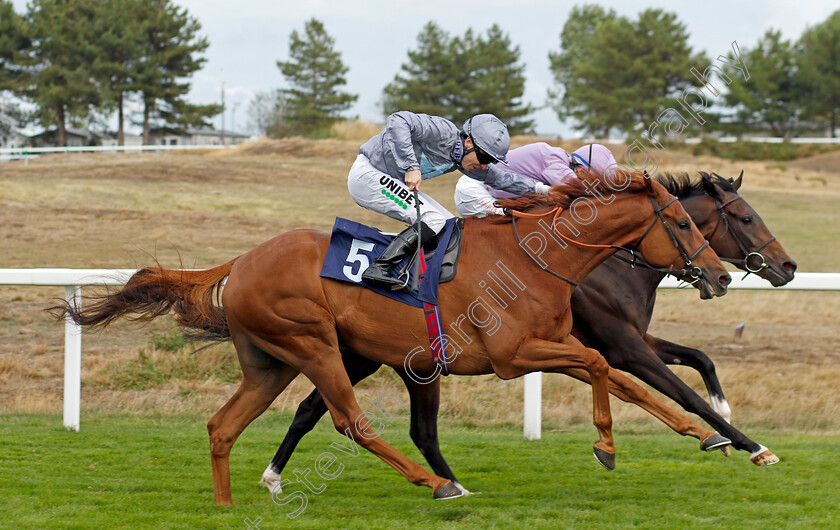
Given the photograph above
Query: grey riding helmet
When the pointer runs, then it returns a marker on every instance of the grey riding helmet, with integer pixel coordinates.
(489, 134)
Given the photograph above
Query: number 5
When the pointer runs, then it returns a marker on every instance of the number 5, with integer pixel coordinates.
(354, 256)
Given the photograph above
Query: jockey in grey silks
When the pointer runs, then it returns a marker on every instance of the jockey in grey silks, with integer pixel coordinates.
(415, 147)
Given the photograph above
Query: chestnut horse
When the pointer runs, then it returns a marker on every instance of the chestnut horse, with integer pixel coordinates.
(612, 310)
(284, 319)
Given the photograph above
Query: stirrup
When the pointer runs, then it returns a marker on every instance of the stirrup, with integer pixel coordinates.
(386, 281)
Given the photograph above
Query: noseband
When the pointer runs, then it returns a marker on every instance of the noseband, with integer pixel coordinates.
(742, 246)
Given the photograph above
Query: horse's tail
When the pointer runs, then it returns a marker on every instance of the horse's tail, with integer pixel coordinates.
(194, 297)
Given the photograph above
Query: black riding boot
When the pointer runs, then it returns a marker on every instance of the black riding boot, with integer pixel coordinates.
(404, 244)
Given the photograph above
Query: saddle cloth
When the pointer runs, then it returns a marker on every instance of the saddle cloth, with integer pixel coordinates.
(354, 246)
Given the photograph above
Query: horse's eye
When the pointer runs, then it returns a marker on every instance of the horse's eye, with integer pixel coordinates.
(746, 220)
(684, 225)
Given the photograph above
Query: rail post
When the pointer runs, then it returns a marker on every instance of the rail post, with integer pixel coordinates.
(72, 361)
(532, 421)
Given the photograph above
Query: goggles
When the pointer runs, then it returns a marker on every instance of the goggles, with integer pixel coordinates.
(483, 158)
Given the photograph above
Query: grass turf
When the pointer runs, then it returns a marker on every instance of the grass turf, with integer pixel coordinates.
(154, 472)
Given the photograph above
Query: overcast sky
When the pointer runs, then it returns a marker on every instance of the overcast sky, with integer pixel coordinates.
(247, 37)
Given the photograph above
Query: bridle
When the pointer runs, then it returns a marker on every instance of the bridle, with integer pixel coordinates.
(692, 271)
(742, 246)
(689, 270)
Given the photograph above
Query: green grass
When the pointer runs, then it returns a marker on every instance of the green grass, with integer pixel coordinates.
(799, 223)
(154, 472)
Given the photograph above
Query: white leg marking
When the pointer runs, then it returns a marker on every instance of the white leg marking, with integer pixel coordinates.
(758, 451)
(464, 490)
(720, 406)
(271, 480)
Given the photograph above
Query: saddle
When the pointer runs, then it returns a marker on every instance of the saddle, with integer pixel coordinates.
(449, 265)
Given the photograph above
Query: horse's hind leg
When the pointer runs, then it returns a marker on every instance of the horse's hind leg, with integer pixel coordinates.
(264, 377)
(425, 403)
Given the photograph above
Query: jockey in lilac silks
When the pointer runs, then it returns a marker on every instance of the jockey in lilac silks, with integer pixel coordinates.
(539, 162)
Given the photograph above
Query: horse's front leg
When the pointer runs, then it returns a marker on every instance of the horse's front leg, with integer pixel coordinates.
(536, 355)
(626, 390)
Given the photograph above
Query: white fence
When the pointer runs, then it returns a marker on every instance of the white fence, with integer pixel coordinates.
(25, 153)
(73, 279)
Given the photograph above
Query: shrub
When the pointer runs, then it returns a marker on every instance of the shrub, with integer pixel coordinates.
(746, 150)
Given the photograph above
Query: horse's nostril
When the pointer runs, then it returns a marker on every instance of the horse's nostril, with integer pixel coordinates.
(725, 279)
(789, 266)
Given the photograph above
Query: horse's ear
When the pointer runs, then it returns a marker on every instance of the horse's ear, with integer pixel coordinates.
(737, 183)
(709, 186)
(648, 184)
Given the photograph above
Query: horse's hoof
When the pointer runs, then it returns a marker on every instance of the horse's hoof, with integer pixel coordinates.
(271, 481)
(726, 450)
(448, 491)
(715, 441)
(765, 458)
(604, 458)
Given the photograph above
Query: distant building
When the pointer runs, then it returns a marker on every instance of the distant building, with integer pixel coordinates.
(130, 140)
(169, 136)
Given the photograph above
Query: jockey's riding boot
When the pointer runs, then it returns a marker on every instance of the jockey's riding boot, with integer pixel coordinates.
(404, 244)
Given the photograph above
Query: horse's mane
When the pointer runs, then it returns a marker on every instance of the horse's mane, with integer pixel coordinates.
(683, 186)
(563, 195)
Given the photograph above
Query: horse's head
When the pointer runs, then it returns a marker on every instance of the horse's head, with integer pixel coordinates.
(673, 241)
(737, 233)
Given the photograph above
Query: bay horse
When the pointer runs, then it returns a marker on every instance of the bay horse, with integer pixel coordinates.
(612, 309)
(616, 324)
(284, 319)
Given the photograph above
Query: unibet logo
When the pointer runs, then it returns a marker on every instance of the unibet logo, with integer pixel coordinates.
(394, 198)
(397, 192)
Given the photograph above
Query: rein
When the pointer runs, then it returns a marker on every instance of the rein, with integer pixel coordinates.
(514, 215)
(689, 270)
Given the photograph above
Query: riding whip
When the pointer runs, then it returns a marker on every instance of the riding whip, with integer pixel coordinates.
(415, 282)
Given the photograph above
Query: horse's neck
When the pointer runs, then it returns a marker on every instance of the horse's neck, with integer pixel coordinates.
(618, 224)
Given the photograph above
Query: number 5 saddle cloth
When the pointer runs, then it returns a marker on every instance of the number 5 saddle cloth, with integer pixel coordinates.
(354, 246)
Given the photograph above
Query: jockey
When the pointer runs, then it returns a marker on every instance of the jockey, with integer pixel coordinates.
(539, 162)
(415, 147)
